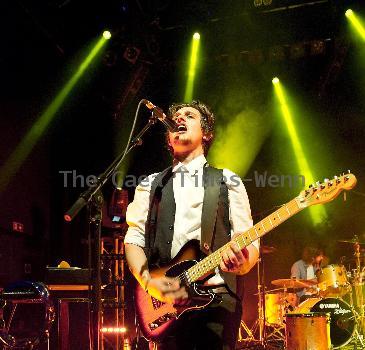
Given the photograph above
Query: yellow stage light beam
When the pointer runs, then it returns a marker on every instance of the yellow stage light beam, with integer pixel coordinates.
(317, 213)
(192, 68)
(23, 149)
(355, 21)
(238, 139)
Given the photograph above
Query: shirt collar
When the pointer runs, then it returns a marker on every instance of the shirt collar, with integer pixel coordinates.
(307, 264)
(193, 166)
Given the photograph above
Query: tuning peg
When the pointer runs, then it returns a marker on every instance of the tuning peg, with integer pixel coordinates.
(327, 182)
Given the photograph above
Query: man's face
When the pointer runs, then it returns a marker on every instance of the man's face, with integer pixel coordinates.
(318, 259)
(190, 135)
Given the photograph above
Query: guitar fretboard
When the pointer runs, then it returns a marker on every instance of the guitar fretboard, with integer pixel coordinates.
(244, 239)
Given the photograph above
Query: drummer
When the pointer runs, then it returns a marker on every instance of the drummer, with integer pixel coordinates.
(305, 269)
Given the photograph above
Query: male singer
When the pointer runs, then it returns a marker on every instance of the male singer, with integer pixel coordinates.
(163, 218)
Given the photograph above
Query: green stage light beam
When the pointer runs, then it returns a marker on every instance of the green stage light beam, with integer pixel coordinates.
(23, 149)
(355, 21)
(192, 68)
(317, 213)
(238, 140)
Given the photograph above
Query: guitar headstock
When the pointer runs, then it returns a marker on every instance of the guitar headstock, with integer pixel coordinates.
(326, 191)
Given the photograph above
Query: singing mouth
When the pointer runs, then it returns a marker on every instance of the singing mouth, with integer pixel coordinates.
(181, 128)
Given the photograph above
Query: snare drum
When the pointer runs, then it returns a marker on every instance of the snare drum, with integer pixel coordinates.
(309, 331)
(332, 281)
(342, 323)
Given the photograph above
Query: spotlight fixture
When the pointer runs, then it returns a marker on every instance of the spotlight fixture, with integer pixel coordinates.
(349, 13)
(277, 53)
(107, 35)
(131, 54)
(317, 47)
(297, 50)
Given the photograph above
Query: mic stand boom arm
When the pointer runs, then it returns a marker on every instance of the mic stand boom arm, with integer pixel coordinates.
(94, 199)
(85, 197)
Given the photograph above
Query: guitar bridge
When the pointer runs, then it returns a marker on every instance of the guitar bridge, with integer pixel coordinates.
(161, 320)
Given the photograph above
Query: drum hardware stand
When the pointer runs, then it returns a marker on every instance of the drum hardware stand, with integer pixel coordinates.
(276, 334)
(92, 197)
(359, 316)
(260, 321)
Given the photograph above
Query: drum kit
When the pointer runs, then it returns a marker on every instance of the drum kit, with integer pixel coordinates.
(332, 314)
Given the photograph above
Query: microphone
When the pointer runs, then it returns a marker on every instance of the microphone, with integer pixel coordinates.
(170, 125)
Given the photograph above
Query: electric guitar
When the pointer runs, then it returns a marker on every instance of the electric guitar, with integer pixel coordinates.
(156, 318)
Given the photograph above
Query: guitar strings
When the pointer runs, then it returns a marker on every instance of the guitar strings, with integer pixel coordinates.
(291, 209)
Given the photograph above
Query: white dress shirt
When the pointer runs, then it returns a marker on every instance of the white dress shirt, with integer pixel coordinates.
(188, 194)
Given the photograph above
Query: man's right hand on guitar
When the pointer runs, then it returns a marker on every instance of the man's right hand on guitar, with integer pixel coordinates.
(166, 289)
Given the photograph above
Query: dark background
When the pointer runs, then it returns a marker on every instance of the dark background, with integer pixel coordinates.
(44, 41)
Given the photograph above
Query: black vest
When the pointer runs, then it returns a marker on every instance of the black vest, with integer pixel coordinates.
(215, 227)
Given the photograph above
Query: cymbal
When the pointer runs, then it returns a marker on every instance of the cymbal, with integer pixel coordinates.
(347, 259)
(279, 290)
(293, 283)
(354, 240)
(265, 249)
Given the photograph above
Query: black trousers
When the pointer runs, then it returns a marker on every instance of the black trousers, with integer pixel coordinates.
(213, 328)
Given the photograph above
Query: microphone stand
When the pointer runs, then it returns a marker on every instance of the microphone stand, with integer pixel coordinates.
(93, 198)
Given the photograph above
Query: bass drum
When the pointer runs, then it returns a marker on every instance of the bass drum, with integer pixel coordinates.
(342, 324)
(307, 331)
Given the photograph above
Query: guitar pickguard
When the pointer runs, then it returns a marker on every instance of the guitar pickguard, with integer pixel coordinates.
(199, 298)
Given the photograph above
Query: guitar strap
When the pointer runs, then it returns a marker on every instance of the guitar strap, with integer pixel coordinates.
(212, 179)
(155, 196)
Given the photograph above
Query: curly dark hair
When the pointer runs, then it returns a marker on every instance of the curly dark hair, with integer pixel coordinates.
(207, 120)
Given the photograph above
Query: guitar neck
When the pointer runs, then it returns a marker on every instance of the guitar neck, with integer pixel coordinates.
(246, 238)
